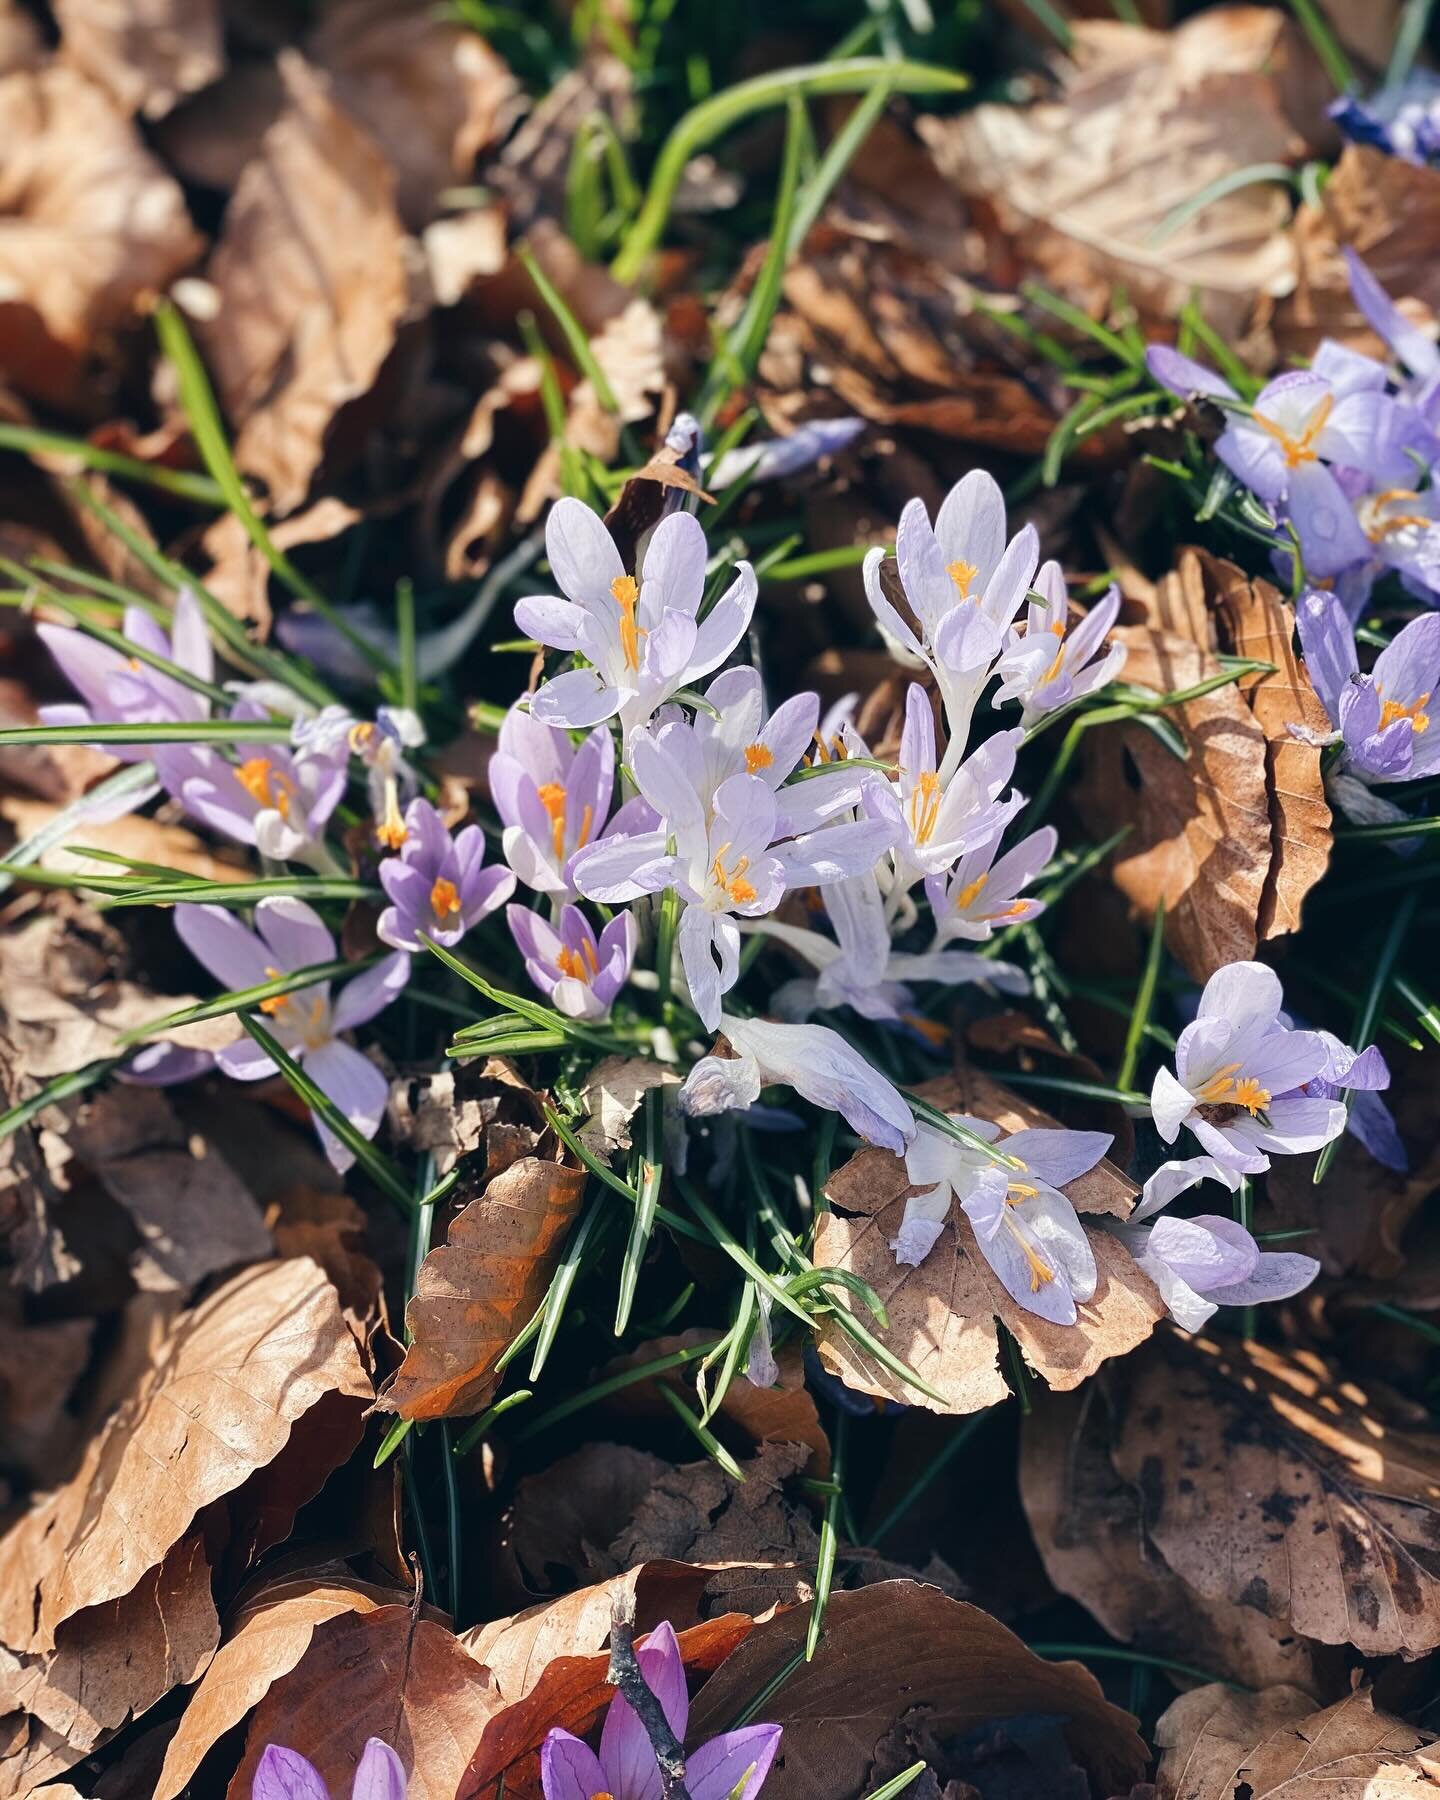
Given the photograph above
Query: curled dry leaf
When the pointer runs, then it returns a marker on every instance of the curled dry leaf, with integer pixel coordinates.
(459, 1110)
(555, 1532)
(1199, 829)
(1268, 1481)
(313, 278)
(1216, 1743)
(1087, 185)
(385, 1672)
(1085, 1519)
(476, 1290)
(943, 1313)
(901, 1653)
(90, 225)
(612, 1094)
(232, 1379)
(148, 54)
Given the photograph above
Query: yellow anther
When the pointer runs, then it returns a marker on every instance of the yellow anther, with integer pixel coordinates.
(265, 784)
(444, 899)
(1040, 1271)
(733, 881)
(277, 1002)
(1222, 1089)
(1415, 712)
(579, 965)
(625, 591)
(360, 735)
(391, 829)
(925, 806)
(1299, 449)
(971, 892)
(758, 757)
(1020, 1191)
(962, 574)
(553, 798)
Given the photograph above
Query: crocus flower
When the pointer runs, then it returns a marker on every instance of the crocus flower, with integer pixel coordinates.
(1052, 664)
(1416, 351)
(554, 798)
(381, 745)
(778, 457)
(812, 1059)
(1363, 1075)
(1402, 120)
(982, 892)
(732, 1766)
(289, 935)
(438, 886)
(725, 862)
(278, 799)
(120, 690)
(283, 1774)
(964, 585)
(577, 973)
(1239, 1074)
(1384, 718)
(642, 635)
(1026, 1228)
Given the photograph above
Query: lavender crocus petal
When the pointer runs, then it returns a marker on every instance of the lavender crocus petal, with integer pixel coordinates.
(1328, 641)
(380, 1774)
(582, 555)
(1410, 344)
(1277, 1275)
(1202, 1256)
(85, 664)
(1175, 1177)
(550, 621)
(217, 940)
(888, 619)
(577, 700)
(970, 525)
(1184, 376)
(696, 943)
(1254, 458)
(1188, 1309)
(821, 1066)
(191, 645)
(244, 1060)
(569, 1769)
(295, 932)
(1170, 1105)
(1409, 665)
(675, 563)
(1296, 1125)
(1330, 534)
(626, 1754)
(1371, 1121)
(966, 640)
(665, 784)
(720, 1084)
(1002, 1243)
(620, 869)
(726, 622)
(358, 1089)
(1286, 1059)
(1006, 589)
(716, 1769)
(165, 1065)
(369, 993)
(1058, 1156)
(1244, 994)
(283, 1774)
(834, 852)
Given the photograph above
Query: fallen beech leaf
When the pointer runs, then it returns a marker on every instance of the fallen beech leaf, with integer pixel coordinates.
(1085, 1520)
(40, 1363)
(1269, 1481)
(1084, 184)
(554, 1533)
(233, 1378)
(313, 279)
(90, 223)
(1216, 1743)
(240, 575)
(136, 836)
(21, 45)
(572, 1693)
(942, 1314)
(613, 1091)
(476, 1290)
(385, 1673)
(149, 54)
(1199, 834)
(454, 1112)
(899, 1652)
(266, 1639)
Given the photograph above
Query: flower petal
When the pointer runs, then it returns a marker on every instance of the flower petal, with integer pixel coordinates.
(283, 1774)
(716, 1770)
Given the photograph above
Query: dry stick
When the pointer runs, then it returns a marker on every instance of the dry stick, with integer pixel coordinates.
(625, 1673)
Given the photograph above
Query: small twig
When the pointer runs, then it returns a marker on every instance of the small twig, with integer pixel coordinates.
(625, 1673)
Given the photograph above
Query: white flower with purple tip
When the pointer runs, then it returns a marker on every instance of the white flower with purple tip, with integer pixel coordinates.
(554, 798)
(984, 891)
(283, 1774)
(1239, 1074)
(812, 1059)
(438, 886)
(578, 973)
(288, 936)
(1055, 663)
(1384, 719)
(642, 635)
(732, 1766)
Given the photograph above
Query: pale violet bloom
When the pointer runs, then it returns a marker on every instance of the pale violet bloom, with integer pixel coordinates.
(732, 1766)
(1055, 663)
(812, 1059)
(1027, 1230)
(554, 798)
(1363, 1075)
(964, 584)
(983, 892)
(283, 1774)
(1239, 1074)
(1402, 119)
(577, 973)
(643, 637)
(438, 886)
(778, 457)
(380, 744)
(278, 799)
(1383, 719)
(288, 936)
(724, 864)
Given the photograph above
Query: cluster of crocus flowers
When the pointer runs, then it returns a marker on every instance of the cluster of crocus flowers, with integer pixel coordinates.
(283, 1774)
(1382, 720)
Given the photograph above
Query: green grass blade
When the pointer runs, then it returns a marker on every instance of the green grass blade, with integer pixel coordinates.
(239, 999)
(1144, 1002)
(829, 1540)
(180, 731)
(182, 484)
(552, 1312)
(62, 1087)
(652, 1175)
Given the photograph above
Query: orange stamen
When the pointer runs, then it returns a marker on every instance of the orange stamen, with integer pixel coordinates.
(1302, 449)
(733, 881)
(962, 574)
(265, 784)
(277, 1002)
(625, 591)
(444, 899)
(553, 798)
(1222, 1089)
(391, 829)
(971, 892)
(758, 757)
(1415, 712)
(925, 806)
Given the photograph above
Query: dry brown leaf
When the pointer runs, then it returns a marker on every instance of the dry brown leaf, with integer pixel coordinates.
(1199, 835)
(1084, 184)
(898, 1652)
(612, 1093)
(314, 279)
(554, 1533)
(40, 1363)
(475, 1291)
(572, 1693)
(942, 1314)
(1267, 1480)
(1085, 1520)
(386, 1673)
(1216, 1744)
(148, 54)
(239, 575)
(266, 1639)
(455, 1111)
(136, 836)
(21, 45)
(233, 1378)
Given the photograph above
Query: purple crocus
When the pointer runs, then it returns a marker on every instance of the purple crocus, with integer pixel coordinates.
(289, 935)
(1384, 718)
(283, 1774)
(1053, 664)
(983, 892)
(777, 457)
(578, 973)
(641, 634)
(438, 885)
(278, 799)
(1400, 119)
(1240, 1072)
(380, 744)
(1363, 1075)
(554, 799)
(732, 1766)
